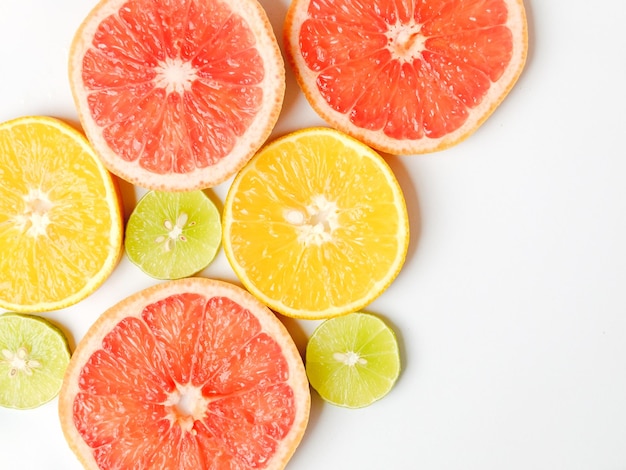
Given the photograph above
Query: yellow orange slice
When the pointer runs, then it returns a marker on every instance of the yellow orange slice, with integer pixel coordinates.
(194, 374)
(176, 95)
(406, 77)
(316, 224)
(60, 216)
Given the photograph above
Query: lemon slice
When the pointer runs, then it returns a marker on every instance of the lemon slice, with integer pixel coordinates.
(173, 235)
(353, 360)
(60, 216)
(33, 357)
(316, 224)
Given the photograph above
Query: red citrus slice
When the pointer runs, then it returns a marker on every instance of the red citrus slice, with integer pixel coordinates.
(176, 95)
(188, 374)
(406, 76)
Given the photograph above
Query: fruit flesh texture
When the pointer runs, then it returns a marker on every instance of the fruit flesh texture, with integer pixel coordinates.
(335, 223)
(59, 216)
(156, 63)
(192, 383)
(410, 70)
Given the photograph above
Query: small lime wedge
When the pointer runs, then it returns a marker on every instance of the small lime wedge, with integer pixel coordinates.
(33, 357)
(173, 235)
(353, 360)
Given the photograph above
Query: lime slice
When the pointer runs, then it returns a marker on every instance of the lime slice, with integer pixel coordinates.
(353, 360)
(33, 357)
(173, 235)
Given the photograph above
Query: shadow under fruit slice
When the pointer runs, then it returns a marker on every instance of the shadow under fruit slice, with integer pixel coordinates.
(187, 374)
(60, 216)
(33, 356)
(176, 95)
(173, 235)
(406, 77)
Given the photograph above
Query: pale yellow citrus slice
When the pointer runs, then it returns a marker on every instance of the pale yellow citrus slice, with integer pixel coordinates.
(406, 77)
(316, 224)
(176, 95)
(60, 216)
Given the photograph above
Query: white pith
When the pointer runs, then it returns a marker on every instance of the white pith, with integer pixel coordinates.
(349, 358)
(186, 405)
(35, 218)
(405, 41)
(175, 75)
(19, 361)
(317, 222)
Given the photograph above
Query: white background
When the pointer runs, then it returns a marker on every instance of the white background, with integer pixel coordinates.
(511, 308)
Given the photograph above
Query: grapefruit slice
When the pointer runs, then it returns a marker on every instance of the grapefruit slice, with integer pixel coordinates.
(406, 77)
(176, 95)
(60, 216)
(187, 374)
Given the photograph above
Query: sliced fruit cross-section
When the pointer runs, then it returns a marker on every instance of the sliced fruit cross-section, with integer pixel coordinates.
(33, 356)
(406, 77)
(188, 374)
(353, 360)
(316, 224)
(60, 216)
(176, 95)
(173, 235)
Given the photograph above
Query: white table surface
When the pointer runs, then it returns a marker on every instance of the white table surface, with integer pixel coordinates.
(511, 308)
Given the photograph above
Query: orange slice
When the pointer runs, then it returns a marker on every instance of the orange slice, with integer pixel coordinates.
(189, 374)
(406, 77)
(60, 216)
(176, 95)
(316, 224)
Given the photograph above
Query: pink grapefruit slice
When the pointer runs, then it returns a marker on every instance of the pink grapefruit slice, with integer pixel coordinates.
(176, 95)
(188, 374)
(404, 76)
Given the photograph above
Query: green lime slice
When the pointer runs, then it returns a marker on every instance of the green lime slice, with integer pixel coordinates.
(33, 357)
(173, 235)
(353, 360)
